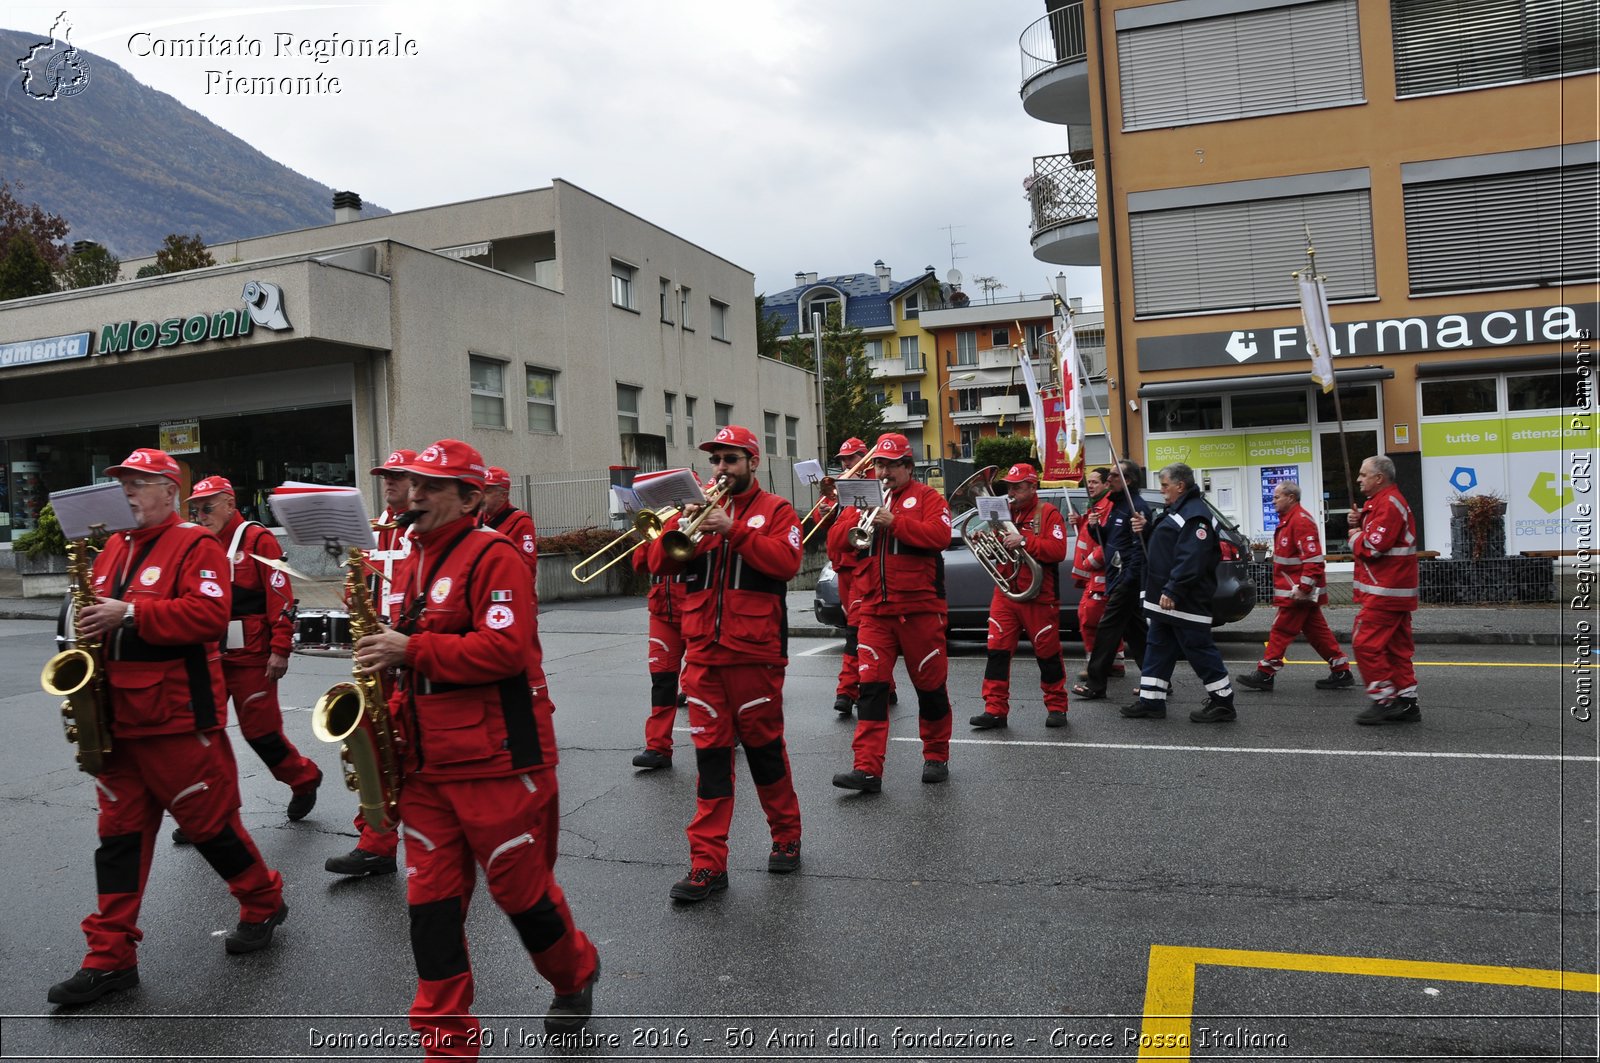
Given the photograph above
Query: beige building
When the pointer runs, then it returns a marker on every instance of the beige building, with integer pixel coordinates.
(556, 332)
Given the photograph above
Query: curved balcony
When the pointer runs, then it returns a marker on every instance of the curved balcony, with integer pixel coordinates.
(1055, 67)
(1063, 199)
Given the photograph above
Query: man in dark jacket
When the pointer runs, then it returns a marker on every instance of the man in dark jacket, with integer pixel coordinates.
(1180, 579)
(1123, 620)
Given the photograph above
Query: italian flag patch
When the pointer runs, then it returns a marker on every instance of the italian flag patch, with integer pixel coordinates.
(206, 573)
(499, 596)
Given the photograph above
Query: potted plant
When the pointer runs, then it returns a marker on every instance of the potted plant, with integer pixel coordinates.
(1478, 526)
(1260, 548)
(41, 557)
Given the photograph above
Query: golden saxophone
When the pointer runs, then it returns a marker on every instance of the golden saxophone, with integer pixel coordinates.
(356, 714)
(79, 675)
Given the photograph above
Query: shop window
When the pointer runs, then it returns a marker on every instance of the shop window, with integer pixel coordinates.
(622, 284)
(1259, 409)
(719, 321)
(627, 409)
(1446, 398)
(1358, 402)
(1201, 413)
(541, 400)
(1545, 391)
(771, 424)
(791, 435)
(488, 392)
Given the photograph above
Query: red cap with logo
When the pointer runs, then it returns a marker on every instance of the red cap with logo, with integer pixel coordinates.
(497, 477)
(1021, 473)
(211, 485)
(852, 448)
(893, 446)
(395, 461)
(449, 459)
(148, 460)
(734, 436)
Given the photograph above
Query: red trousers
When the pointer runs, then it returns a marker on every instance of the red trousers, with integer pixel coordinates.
(1383, 647)
(1090, 608)
(1007, 621)
(194, 777)
(1291, 621)
(508, 826)
(920, 638)
(744, 704)
(255, 701)
(666, 659)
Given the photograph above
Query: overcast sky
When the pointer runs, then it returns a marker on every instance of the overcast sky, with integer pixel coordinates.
(786, 136)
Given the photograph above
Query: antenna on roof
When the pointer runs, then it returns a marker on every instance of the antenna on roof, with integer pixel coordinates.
(950, 232)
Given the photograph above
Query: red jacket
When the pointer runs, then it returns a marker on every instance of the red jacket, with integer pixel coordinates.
(1386, 554)
(517, 526)
(1088, 555)
(1044, 538)
(667, 593)
(390, 545)
(903, 572)
(263, 597)
(1297, 559)
(164, 674)
(736, 608)
(846, 561)
(471, 658)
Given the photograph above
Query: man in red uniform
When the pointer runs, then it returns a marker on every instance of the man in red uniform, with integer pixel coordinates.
(1089, 562)
(480, 762)
(1299, 590)
(901, 587)
(735, 622)
(263, 602)
(498, 513)
(1042, 535)
(162, 606)
(1384, 543)
(844, 561)
(375, 851)
(665, 604)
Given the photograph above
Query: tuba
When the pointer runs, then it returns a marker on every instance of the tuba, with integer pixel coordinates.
(79, 675)
(982, 537)
(356, 714)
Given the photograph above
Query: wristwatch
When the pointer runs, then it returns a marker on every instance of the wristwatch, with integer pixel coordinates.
(127, 617)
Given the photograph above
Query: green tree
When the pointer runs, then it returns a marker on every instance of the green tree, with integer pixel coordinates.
(179, 253)
(46, 231)
(847, 380)
(23, 270)
(89, 267)
(768, 328)
(1004, 451)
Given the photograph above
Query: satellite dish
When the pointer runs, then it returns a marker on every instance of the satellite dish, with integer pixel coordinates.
(953, 277)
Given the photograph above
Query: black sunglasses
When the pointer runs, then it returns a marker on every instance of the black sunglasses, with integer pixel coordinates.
(727, 459)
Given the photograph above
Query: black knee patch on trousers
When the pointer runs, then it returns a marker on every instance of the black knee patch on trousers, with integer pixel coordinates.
(226, 853)
(766, 762)
(716, 771)
(116, 863)
(539, 926)
(438, 941)
(1050, 670)
(873, 704)
(851, 635)
(271, 748)
(933, 704)
(999, 666)
(663, 688)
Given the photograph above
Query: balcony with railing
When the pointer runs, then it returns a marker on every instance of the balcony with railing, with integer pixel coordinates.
(890, 368)
(1055, 67)
(1062, 198)
(906, 414)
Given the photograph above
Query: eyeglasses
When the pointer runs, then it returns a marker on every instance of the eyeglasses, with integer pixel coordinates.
(206, 509)
(727, 459)
(145, 483)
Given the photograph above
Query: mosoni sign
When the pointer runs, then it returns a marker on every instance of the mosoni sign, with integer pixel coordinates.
(263, 307)
(1404, 335)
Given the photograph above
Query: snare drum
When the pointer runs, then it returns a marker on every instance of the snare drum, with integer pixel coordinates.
(322, 631)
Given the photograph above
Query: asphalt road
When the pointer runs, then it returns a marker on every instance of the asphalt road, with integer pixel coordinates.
(1290, 885)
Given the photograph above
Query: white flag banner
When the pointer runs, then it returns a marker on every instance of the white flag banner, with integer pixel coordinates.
(1072, 384)
(1034, 402)
(1319, 338)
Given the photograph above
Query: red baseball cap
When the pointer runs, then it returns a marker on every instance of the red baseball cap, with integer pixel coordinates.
(449, 459)
(734, 436)
(1021, 472)
(893, 446)
(150, 460)
(395, 461)
(211, 485)
(851, 447)
(497, 477)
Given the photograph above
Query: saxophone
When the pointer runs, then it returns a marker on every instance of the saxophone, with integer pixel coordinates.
(79, 675)
(356, 714)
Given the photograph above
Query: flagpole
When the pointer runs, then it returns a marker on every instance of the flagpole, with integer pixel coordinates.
(1338, 407)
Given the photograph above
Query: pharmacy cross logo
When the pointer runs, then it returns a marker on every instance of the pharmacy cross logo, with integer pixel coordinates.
(54, 69)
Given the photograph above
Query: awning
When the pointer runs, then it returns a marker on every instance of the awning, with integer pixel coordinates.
(1269, 382)
(1489, 367)
(466, 250)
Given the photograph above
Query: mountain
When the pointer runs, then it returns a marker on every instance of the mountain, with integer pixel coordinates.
(126, 165)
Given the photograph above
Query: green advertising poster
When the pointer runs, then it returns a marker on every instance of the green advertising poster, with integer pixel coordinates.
(1230, 450)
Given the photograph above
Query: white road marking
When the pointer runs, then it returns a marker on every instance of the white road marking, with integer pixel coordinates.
(1420, 754)
(827, 647)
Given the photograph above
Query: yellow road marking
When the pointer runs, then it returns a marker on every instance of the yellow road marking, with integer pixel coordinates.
(1169, 984)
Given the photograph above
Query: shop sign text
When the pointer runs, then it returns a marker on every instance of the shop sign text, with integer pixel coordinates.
(48, 349)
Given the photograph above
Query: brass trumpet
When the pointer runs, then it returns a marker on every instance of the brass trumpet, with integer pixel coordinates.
(827, 483)
(680, 542)
(860, 537)
(647, 525)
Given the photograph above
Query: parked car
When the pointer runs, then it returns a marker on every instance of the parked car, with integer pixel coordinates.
(967, 587)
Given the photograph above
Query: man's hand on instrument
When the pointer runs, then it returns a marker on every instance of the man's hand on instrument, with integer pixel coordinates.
(102, 618)
(386, 649)
(717, 522)
(883, 518)
(1012, 540)
(277, 666)
(829, 489)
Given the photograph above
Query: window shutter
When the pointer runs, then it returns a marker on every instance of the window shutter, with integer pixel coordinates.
(1441, 45)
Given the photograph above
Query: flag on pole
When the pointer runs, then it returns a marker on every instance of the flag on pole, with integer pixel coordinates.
(1319, 337)
(1034, 402)
(1071, 385)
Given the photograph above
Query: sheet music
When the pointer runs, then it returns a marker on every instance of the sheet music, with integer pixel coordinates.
(994, 507)
(625, 500)
(808, 472)
(80, 508)
(671, 487)
(862, 494)
(316, 515)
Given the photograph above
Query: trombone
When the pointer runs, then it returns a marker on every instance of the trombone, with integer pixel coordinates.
(827, 484)
(679, 543)
(647, 524)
